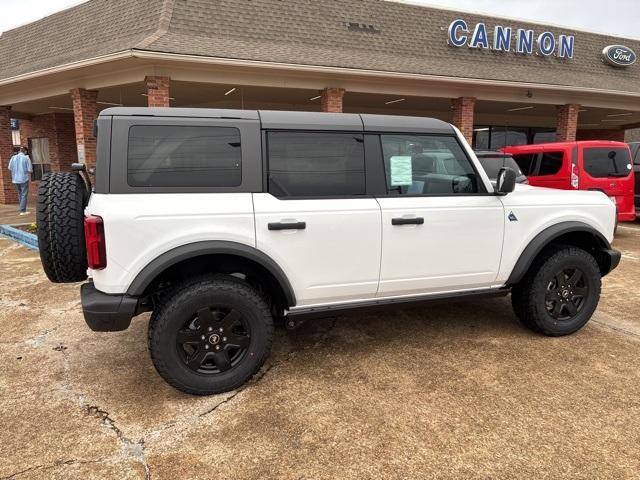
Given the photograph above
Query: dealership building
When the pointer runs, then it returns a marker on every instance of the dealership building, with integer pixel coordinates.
(501, 81)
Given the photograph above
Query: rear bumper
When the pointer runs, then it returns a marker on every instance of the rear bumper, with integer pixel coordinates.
(106, 313)
(611, 260)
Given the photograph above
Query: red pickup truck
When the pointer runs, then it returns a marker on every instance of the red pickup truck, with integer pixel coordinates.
(585, 165)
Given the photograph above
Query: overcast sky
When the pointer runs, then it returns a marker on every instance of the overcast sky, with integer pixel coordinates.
(614, 17)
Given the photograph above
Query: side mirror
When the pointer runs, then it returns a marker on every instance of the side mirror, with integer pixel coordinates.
(506, 182)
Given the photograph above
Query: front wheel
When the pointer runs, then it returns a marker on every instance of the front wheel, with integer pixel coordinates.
(210, 335)
(559, 293)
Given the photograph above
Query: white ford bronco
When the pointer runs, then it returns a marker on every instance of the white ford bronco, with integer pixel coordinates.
(219, 221)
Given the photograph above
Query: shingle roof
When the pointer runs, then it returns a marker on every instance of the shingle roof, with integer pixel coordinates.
(407, 38)
(89, 30)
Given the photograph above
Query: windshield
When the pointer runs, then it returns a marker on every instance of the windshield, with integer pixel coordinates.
(607, 162)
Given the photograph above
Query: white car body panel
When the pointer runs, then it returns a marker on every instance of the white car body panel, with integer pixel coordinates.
(156, 223)
(336, 257)
(459, 245)
(538, 208)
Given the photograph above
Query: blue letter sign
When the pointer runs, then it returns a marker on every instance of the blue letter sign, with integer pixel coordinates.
(479, 38)
(502, 38)
(546, 43)
(524, 41)
(455, 38)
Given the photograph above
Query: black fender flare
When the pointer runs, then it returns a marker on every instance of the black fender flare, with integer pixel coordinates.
(210, 247)
(543, 239)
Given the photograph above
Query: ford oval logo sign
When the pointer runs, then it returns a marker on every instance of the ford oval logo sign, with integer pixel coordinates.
(619, 55)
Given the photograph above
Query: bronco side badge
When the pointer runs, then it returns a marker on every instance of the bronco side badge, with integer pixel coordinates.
(512, 217)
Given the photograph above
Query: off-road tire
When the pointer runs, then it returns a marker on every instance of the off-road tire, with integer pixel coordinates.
(62, 197)
(528, 296)
(180, 304)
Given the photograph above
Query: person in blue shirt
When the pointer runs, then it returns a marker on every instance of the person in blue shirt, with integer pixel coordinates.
(21, 169)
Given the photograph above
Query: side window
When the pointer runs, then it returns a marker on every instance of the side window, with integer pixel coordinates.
(426, 165)
(526, 162)
(550, 163)
(183, 156)
(315, 164)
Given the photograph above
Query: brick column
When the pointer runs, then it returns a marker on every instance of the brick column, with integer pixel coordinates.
(567, 122)
(331, 100)
(158, 91)
(8, 193)
(463, 109)
(85, 112)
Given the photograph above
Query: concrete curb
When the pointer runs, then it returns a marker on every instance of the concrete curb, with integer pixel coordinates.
(27, 239)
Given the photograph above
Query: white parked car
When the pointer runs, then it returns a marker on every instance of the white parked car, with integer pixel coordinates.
(219, 221)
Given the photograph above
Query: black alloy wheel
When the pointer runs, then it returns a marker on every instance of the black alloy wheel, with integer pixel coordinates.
(560, 292)
(214, 341)
(210, 334)
(566, 294)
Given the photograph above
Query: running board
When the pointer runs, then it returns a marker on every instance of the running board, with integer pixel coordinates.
(324, 310)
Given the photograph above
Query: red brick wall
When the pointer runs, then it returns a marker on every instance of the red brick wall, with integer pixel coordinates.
(59, 128)
(85, 111)
(615, 135)
(331, 100)
(567, 122)
(463, 110)
(8, 193)
(158, 91)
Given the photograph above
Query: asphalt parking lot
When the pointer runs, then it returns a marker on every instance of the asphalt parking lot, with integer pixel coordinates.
(455, 390)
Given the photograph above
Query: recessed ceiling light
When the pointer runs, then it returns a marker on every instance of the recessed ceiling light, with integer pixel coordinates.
(61, 108)
(481, 129)
(315, 98)
(619, 114)
(395, 101)
(519, 108)
(230, 91)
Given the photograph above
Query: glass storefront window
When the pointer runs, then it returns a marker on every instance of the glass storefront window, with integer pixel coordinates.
(495, 137)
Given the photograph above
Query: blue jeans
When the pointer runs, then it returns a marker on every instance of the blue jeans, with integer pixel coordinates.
(23, 193)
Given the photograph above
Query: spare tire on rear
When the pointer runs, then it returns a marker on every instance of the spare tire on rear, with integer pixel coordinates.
(62, 197)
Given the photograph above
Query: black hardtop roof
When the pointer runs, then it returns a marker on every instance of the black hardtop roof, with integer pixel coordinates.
(288, 120)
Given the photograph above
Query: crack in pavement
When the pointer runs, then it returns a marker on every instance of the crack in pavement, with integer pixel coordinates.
(48, 467)
(617, 329)
(131, 448)
(136, 449)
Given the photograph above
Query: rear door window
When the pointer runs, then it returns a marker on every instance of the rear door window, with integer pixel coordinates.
(607, 162)
(526, 162)
(550, 163)
(312, 164)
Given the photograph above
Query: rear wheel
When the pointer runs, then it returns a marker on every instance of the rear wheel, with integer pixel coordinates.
(210, 335)
(559, 293)
(62, 197)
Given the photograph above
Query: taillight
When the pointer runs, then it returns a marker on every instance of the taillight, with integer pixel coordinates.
(575, 183)
(94, 240)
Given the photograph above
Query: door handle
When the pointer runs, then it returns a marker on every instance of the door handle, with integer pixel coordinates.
(287, 226)
(407, 221)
